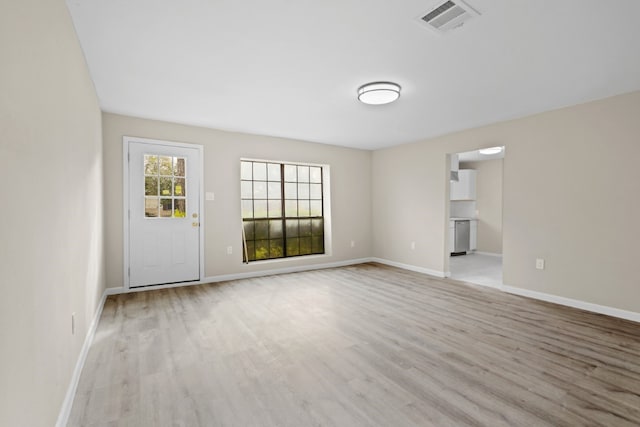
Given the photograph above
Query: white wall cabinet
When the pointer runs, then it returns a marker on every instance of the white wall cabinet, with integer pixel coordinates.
(473, 236)
(465, 187)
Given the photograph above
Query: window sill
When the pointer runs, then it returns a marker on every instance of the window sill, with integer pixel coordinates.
(288, 259)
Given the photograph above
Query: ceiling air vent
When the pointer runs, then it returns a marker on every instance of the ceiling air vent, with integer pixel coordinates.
(448, 15)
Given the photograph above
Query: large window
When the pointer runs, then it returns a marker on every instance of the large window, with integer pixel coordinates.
(282, 209)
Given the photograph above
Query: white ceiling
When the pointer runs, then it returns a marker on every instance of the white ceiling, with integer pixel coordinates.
(291, 68)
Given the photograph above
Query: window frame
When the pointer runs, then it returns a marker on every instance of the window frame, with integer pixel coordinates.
(283, 218)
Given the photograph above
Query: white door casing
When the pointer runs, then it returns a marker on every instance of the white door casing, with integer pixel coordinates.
(162, 212)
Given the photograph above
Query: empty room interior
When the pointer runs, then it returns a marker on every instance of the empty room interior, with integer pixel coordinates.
(362, 213)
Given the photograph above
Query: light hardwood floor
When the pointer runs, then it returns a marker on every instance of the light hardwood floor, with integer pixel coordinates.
(364, 345)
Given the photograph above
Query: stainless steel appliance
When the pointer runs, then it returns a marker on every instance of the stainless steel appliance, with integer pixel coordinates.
(462, 236)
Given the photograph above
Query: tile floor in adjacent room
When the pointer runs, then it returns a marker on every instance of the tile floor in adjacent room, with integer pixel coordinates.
(477, 268)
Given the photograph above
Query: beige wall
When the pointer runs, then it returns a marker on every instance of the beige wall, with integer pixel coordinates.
(570, 196)
(350, 191)
(51, 256)
(488, 203)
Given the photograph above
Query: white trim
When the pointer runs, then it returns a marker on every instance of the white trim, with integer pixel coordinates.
(326, 198)
(488, 254)
(126, 140)
(569, 302)
(237, 276)
(67, 403)
(583, 305)
(430, 272)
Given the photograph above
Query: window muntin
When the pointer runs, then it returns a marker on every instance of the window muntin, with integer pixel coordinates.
(165, 187)
(282, 209)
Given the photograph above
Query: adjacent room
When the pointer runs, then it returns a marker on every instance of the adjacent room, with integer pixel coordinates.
(357, 213)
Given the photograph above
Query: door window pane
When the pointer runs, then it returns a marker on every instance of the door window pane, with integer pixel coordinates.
(179, 168)
(179, 188)
(151, 207)
(179, 210)
(150, 185)
(150, 164)
(166, 166)
(165, 186)
(166, 208)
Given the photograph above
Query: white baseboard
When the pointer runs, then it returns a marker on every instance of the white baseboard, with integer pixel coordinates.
(237, 276)
(583, 305)
(67, 403)
(488, 254)
(417, 269)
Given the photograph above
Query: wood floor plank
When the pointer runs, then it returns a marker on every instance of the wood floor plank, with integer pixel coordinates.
(364, 345)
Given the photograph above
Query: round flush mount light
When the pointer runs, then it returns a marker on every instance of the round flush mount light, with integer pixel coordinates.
(378, 93)
(491, 150)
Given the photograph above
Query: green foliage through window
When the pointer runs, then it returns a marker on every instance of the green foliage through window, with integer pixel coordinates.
(282, 209)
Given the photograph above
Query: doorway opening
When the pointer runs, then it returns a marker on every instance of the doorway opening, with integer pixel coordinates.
(474, 245)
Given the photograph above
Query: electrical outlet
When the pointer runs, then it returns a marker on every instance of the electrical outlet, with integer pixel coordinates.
(413, 245)
(229, 250)
(540, 264)
(73, 323)
(353, 243)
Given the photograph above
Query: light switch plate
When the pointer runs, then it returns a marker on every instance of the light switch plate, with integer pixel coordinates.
(209, 195)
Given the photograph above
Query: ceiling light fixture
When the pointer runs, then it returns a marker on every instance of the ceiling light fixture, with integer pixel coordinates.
(378, 93)
(491, 150)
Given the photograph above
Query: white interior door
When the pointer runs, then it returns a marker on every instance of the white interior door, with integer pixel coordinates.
(164, 213)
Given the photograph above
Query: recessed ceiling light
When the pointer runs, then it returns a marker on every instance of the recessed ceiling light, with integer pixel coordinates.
(378, 93)
(491, 150)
